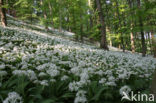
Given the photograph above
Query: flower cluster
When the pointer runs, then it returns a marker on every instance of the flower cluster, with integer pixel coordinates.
(45, 59)
(13, 97)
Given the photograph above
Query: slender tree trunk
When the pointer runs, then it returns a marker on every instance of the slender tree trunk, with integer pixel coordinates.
(109, 36)
(44, 15)
(3, 14)
(150, 43)
(60, 19)
(60, 16)
(68, 20)
(81, 30)
(103, 26)
(91, 14)
(132, 42)
(91, 22)
(131, 34)
(153, 44)
(141, 31)
(8, 11)
(121, 38)
(153, 89)
(51, 13)
(74, 26)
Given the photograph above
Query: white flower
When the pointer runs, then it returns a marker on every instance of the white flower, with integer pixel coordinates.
(31, 74)
(82, 63)
(13, 97)
(73, 86)
(42, 74)
(75, 70)
(3, 73)
(52, 80)
(102, 81)
(110, 83)
(53, 72)
(80, 97)
(64, 78)
(44, 82)
(2, 66)
(125, 89)
(19, 72)
(111, 79)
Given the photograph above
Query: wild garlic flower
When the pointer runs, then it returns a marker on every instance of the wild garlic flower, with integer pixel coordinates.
(73, 86)
(44, 82)
(13, 97)
(64, 78)
(80, 97)
(102, 81)
(3, 73)
(2, 66)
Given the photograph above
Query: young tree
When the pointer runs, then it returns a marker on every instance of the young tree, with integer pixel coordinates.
(141, 30)
(44, 14)
(153, 89)
(3, 14)
(103, 26)
(153, 44)
(131, 26)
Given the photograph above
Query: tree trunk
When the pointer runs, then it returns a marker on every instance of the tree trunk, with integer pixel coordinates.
(44, 15)
(103, 26)
(8, 11)
(121, 38)
(153, 44)
(91, 14)
(60, 16)
(149, 42)
(153, 89)
(132, 42)
(142, 32)
(131, 34)
(81, 30)
(3, 14)
(51, 13)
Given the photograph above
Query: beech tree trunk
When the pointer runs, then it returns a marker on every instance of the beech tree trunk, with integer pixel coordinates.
(44, 15)
(51, 12)
(103, 26)
(121, 38)
(153, 89)
(131, 34)
(153, 44)
(3, 14)
(141, 31)
(81, 30)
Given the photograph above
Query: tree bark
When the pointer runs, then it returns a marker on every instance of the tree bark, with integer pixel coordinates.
(3, 14)
(60, 16)
(44, 15)
(131, 34)
(141, 31)
(153, 89)
(121, 38)
(153, 44)
(103, 26)
(81, 29)
(51, 12)
(8, 11)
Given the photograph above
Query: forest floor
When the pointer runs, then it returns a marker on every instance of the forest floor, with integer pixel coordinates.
(28, 27)
(59, 69)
